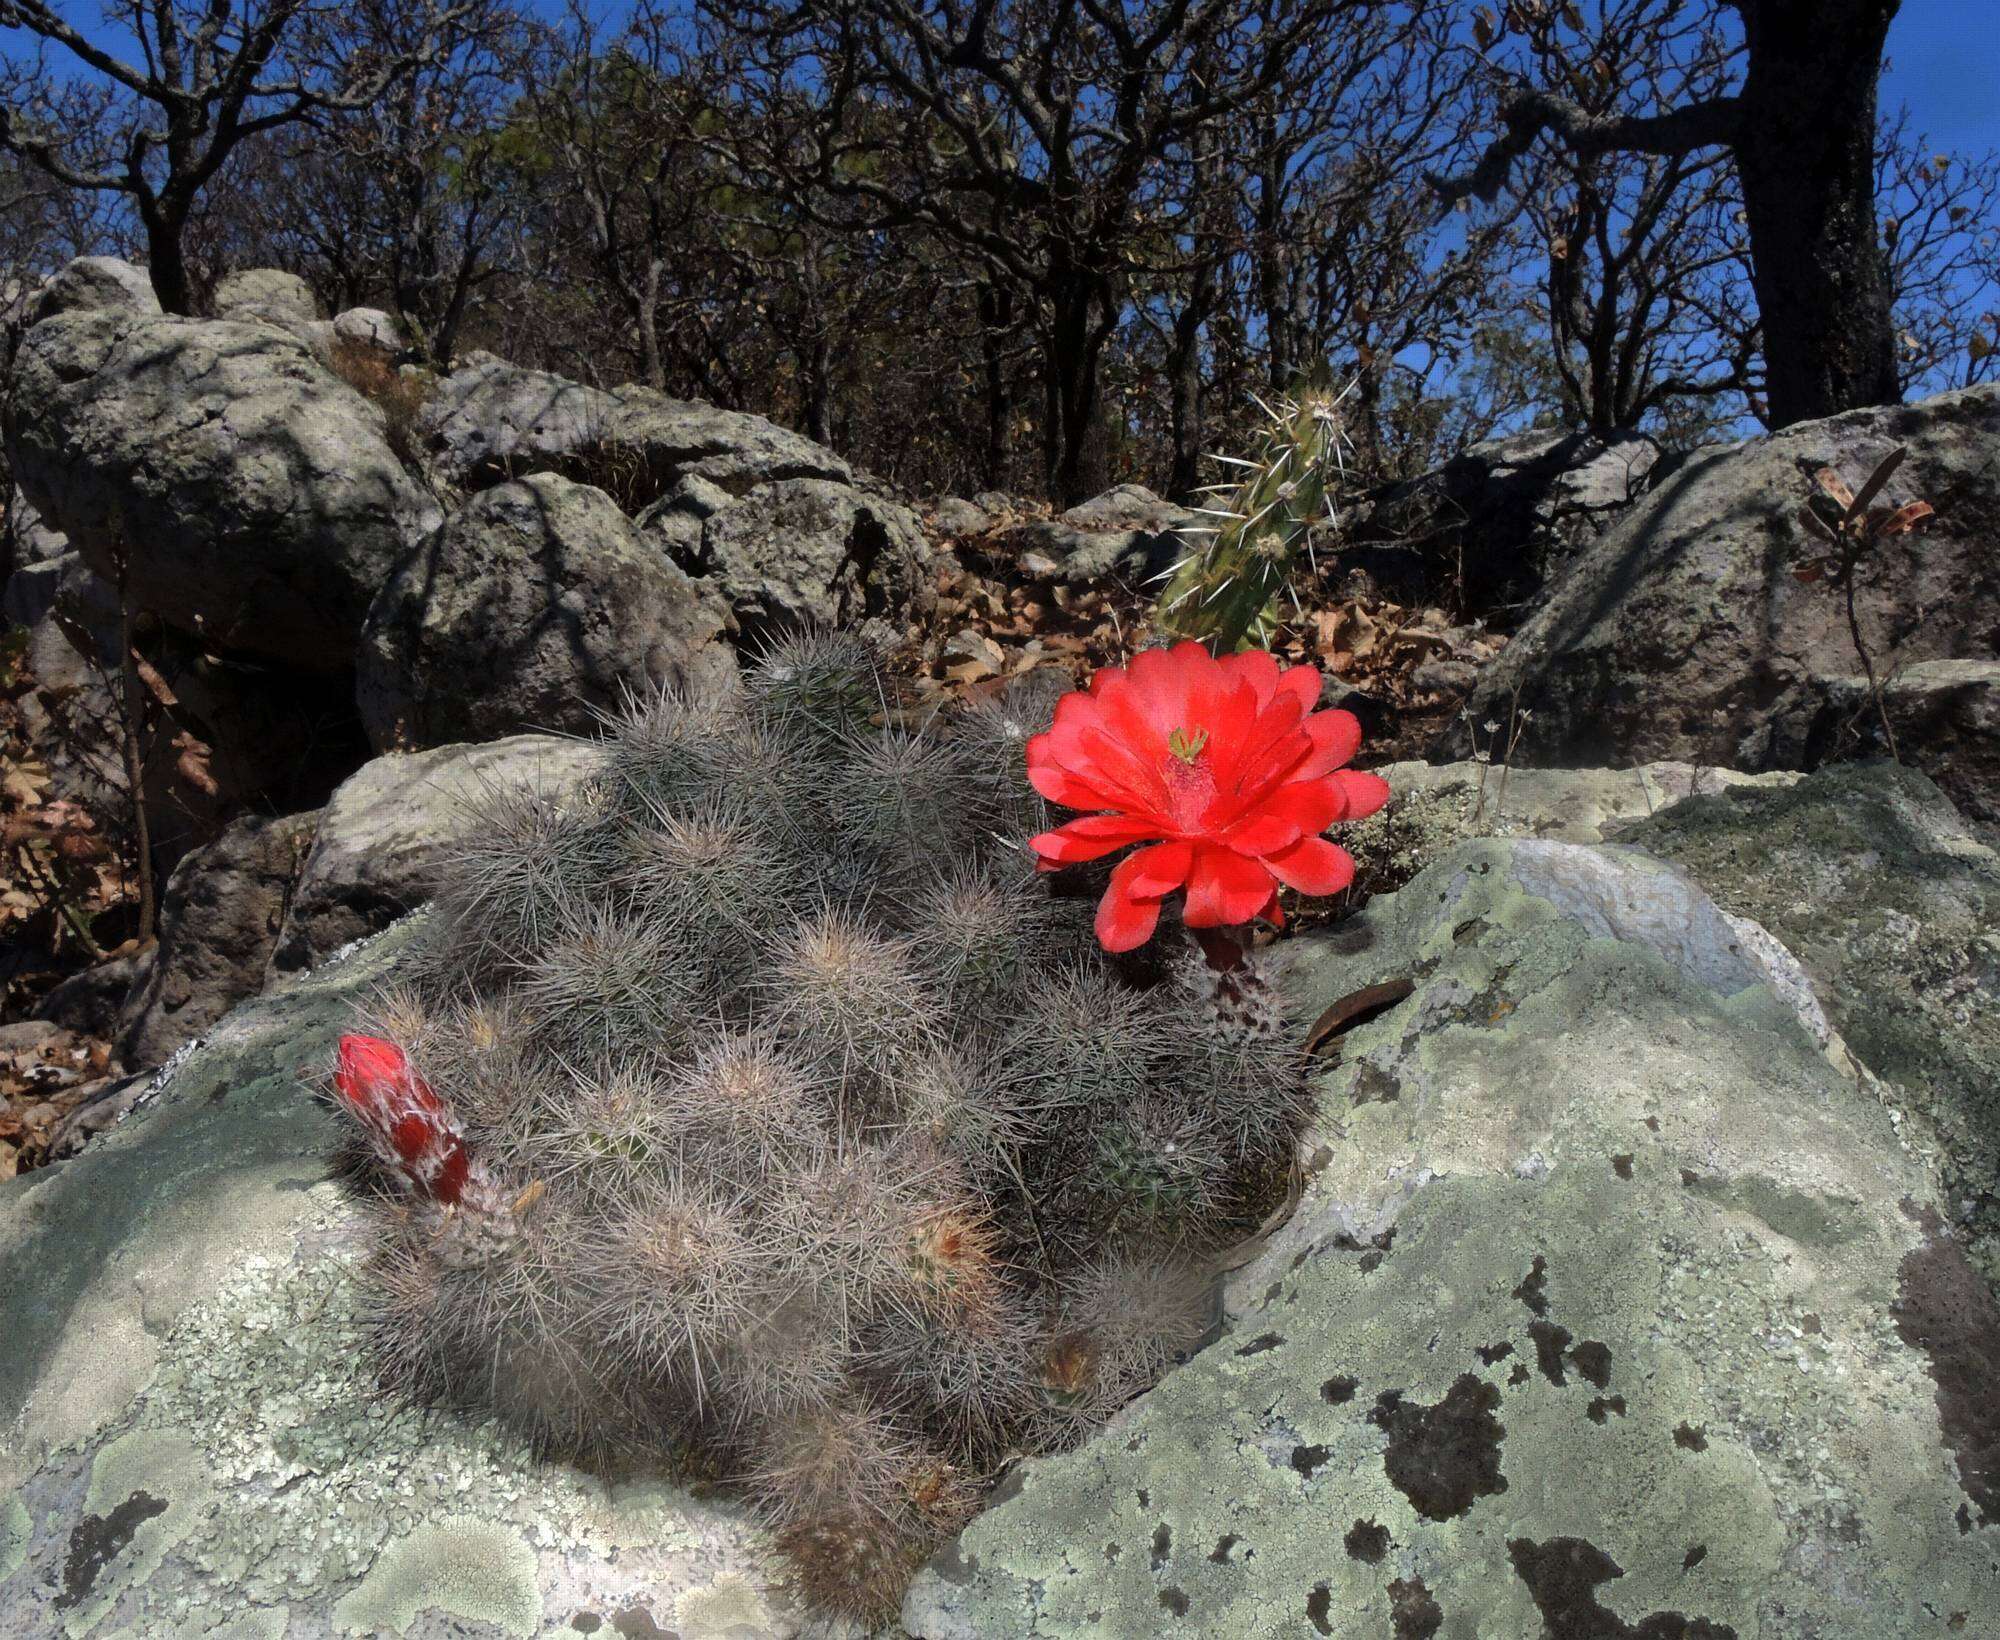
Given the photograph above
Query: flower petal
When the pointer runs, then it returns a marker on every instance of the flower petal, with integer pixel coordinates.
(1304, 683)
(1365, 793)
(1090, 838)
(1335, 736)
(1130, 909)
(1305, 808)
(1159, 870)
(1224, 888)
(1256, 667)
(1058, 784)
(1312, 865)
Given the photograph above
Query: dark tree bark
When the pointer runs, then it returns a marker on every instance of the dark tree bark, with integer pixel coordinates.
(1806, 159)
(1801, 129)
(996, 320)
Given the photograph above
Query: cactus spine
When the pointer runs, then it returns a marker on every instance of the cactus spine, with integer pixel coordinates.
(817, 1145)
(1226, 591)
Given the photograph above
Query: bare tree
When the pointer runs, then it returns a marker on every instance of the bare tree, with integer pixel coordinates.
(1941, 226)
(207, 75)
(1800, 128)
(1027, 133)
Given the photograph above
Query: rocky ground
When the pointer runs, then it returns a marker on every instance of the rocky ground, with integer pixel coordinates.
(1641, 1279)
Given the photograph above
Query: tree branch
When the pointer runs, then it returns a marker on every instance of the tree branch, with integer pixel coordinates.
(1528, 113)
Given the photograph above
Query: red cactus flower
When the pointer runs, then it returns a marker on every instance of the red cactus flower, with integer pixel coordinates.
(1222, 766)
(411, 1128)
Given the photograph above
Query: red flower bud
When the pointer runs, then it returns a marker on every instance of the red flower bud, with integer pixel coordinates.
(410, 1127)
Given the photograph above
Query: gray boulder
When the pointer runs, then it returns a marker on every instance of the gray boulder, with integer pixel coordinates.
(1944, 715)
(955, 517)
(267, 294)
(219, 919)
(256, 495)
(393, 822)
(1893, 907)
(1683, 634)
(94, 284)
(1433, 807)
(490, 420)
(88, 1002)
(1515, 511)
(814, 551)
(536, 602)
(370, 327)
(1127, 533)
(198, 1444)
(1610, 1307)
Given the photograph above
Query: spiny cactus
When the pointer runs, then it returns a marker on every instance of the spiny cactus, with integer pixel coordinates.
(759, 1107)
(1225, 592)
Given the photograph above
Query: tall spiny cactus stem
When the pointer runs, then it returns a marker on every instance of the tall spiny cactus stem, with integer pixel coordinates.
(1226, 591)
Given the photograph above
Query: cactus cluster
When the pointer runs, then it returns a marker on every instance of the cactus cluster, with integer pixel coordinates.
(1226, 591)
(797, 1129)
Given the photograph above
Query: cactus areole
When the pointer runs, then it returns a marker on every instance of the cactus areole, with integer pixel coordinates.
(1222, 767)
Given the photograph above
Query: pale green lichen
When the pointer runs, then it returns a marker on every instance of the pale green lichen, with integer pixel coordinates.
(16, 1526)
(467, 1567)
(1868, 874)
(255, 1474)
(1646, 1231)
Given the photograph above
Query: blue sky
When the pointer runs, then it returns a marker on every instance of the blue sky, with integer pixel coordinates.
(1944, 61)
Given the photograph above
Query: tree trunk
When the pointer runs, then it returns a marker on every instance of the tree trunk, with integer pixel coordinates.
(166, 263)
(1071, 362)
(1806, 157)
(996, 318)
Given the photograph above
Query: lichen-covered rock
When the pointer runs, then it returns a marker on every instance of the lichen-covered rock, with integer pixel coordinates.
(1515, 509)
(1870, 876)
(1434, 806)
(219, 919)
(488, 421)
(1610, 1308)
(386, 833)
(254, 494)
(90, 284)
(533, 604)
(268, 294)
(193, 1449)
(1946, 719)
(1684, 634)
(813, 552)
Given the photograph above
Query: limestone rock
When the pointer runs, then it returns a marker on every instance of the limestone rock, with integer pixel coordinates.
(256, 494)
(489, 420)
(197, 1444)
(370, 327)
(269, 294)
(1128, 532)
(382, 838)
(92, 284)
(805, 551)
(88, 1002)
(1893, 906)
(1516, 510)
(533, 604)
(1610, 1307)
(219, 919)
(954, 516)
(1683, 633)
(1433, 807)
(1946, 720)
